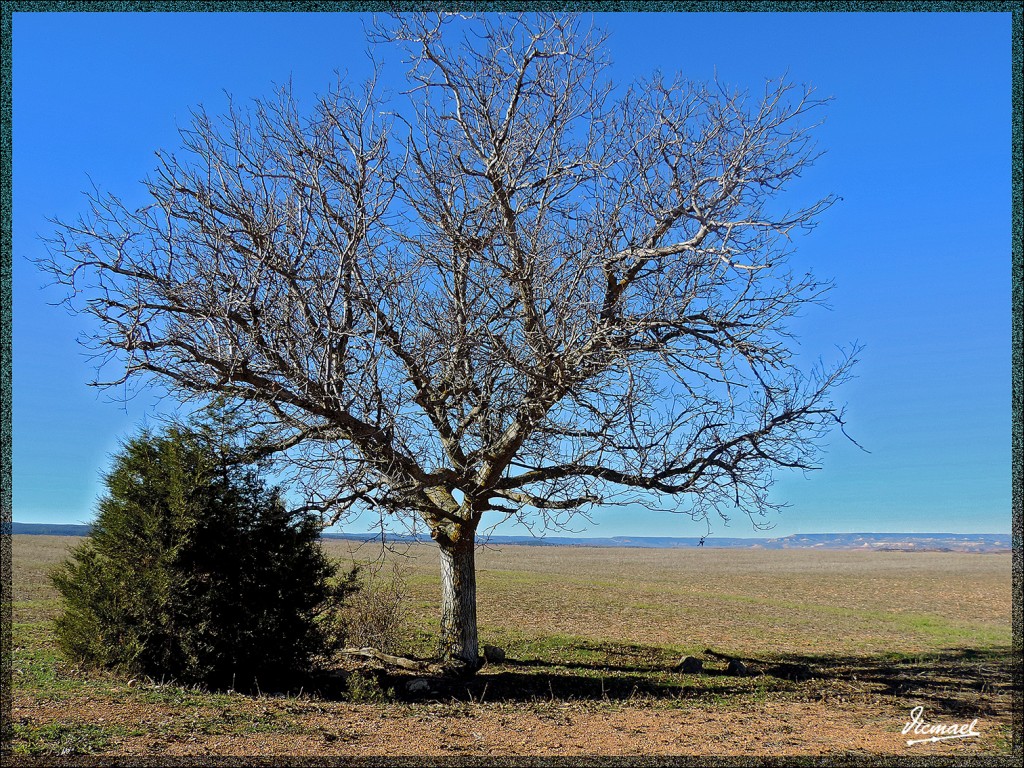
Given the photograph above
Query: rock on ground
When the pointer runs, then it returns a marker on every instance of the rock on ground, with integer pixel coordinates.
(493, 654)
(690, 665)
(418, 685)
(737, 668)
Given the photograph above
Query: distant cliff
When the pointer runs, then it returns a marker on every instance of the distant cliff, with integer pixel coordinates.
(902, 542)
(48, 529)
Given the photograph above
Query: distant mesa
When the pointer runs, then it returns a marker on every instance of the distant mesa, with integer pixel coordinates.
(51, 529)
(880, 542)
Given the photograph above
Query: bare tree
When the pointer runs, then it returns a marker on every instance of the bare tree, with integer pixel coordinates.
(521, 292)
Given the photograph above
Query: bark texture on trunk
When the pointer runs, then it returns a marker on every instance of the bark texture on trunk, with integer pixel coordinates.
(458, 603)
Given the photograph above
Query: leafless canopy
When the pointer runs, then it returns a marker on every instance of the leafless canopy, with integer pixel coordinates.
(514, 288)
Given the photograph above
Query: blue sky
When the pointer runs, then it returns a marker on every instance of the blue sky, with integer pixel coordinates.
(918, 147)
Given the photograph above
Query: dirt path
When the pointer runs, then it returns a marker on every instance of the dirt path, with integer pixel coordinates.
(323, 729)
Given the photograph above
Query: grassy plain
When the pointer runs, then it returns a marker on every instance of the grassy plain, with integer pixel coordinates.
(592, 636)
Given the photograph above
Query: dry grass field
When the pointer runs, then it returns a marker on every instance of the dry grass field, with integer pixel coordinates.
(592, 636)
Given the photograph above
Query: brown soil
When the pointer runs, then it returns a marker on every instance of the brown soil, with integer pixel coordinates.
(591, 634)
(333, 728)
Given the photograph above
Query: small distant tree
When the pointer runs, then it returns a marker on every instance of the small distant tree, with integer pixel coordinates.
(519, 292)
(195, 570)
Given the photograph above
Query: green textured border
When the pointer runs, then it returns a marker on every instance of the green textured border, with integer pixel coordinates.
(6, 498)
(522, 762)
(1016, 366)
(694, 6)
(1017, 270)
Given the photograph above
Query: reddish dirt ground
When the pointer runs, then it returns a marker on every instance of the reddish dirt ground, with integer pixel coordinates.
(331, 728)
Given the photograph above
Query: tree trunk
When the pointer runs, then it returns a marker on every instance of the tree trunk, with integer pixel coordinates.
(458, 603)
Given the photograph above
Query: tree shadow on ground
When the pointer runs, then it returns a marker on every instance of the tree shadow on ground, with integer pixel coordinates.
(955, 682)
(951, 682)
(563, 685)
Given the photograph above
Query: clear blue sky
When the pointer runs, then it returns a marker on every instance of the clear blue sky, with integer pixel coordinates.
(918, 147)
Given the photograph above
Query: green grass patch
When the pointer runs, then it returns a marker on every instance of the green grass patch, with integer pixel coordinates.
(182, 696)
(42, 668)
(63, 739)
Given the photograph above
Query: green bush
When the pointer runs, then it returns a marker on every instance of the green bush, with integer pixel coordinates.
(196, 571)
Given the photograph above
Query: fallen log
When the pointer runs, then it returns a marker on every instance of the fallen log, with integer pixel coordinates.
(387, 658)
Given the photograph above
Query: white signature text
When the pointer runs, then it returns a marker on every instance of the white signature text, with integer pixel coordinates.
(918, 726)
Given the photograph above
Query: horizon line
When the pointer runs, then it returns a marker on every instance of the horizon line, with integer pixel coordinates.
(564, 535)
